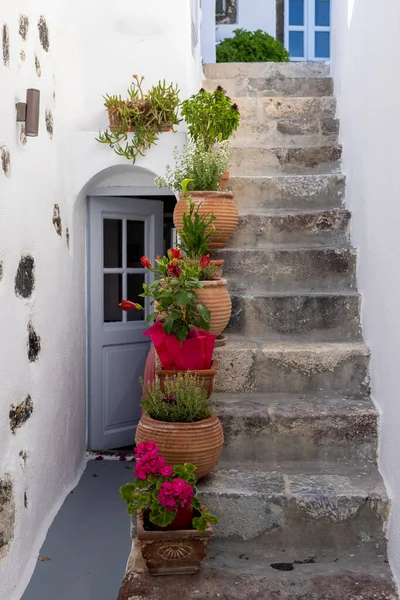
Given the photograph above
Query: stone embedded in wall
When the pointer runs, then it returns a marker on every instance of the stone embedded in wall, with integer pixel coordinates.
(22, 135)
(49, 122)
(44, 33)
(7, 514)
(1, 271)
(6, 45)
(20, 413)
(34, 345)
(67, 237)
(23, 26)
(5, 160)
(22, 56)
(25, 500)
(226, 15)
(25, 277)
(57, 220)
(24, 456)
(38, 67)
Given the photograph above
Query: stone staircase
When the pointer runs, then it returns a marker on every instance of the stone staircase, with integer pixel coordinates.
(302, 506)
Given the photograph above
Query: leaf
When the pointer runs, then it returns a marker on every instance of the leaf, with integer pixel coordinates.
(44, 558)
(183, 298)
(127, 491)
(203, 312)
(161, 517)
(169, 323)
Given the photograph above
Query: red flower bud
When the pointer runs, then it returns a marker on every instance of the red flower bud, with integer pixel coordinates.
(174, 269)
(146, 263)
(174, 253)
(205, 261)
(128, 305)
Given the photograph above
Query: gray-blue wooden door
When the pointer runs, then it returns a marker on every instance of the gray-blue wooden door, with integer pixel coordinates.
(121, 231)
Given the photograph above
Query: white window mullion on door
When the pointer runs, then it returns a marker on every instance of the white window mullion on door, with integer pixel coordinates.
(310, 28)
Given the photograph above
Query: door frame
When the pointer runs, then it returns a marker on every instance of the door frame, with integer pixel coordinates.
(309, 28)
(139, 192)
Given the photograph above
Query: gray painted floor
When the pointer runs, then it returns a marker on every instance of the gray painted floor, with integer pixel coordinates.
(89, 541)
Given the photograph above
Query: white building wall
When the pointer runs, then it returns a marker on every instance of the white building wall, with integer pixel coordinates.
(251, 15)
(94, 47)
(365, 59)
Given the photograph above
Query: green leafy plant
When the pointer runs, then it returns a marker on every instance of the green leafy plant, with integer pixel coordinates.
(143, 114)
(203, 167)
(160, 490)
(251, 46)
(211, 117)
(197, 228)
(183, 400)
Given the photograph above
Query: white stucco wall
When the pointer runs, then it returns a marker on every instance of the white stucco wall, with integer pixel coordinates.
(95, 46)
(251, 15)
(365, 57)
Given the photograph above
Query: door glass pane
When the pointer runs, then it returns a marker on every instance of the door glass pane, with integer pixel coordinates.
(134, 244)
(322, 44)
(296, 12)
(296, 44)
(322, 13)
(112, 229)
(112, 298)
(135, 287)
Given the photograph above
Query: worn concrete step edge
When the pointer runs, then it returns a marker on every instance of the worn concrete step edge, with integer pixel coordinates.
(267, 69)
(250, 87)
(281, 108)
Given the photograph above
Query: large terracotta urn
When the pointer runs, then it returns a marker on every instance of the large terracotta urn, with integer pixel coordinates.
(198, 443)
(221, 204)
(216, 298)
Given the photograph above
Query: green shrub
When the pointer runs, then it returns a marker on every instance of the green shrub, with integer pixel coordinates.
(184, 400)
(251, 46)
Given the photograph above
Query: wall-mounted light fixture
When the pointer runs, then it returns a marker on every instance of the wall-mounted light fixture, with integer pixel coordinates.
(28, 112)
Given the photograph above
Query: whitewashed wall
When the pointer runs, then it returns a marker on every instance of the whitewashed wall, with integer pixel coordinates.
(365, 56)
(251, 15)
(94, 47)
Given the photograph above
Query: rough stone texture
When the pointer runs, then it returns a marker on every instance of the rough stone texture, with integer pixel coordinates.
(331, 434)
(49, 122)
(317, 228)
(57, 220)
(288, 192)
(20, 413)
(270, 87)
(272, 70)
(6, 45)
(67, 237)
(5, 161)
(38, 68)
(34, 344)
(25, 277)
(338, 368)
(22, 135)
(290, 269)
(236, 367)
(44, 34)
(7, 514)
(263, 108)
(290, 133)
(1, 270)
(250, 160)
(23, 26)
(311, 317)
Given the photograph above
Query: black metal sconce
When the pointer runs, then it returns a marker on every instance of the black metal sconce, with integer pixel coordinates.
(28, 112)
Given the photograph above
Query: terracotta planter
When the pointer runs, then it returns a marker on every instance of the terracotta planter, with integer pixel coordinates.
(172, 552)
(224, 181)
(224, 209)
(198, 443)
(206, 376)
(219, 264)
(216, 298)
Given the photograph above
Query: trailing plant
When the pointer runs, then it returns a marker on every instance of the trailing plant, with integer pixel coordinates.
(251, 46)
(161, 490)
(143, 114)
(183, 400)
(211, 117)
(173, 296)
(203, 167)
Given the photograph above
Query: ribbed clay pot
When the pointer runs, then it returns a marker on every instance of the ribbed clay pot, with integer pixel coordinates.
(206, 376)
(197, 443)
(221, 204)
(216, 298)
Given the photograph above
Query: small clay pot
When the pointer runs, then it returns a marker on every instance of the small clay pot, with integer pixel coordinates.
(216, 298)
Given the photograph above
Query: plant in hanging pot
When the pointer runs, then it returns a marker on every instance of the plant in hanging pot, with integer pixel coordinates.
(178, 415)
(144, 115)
(172, 526)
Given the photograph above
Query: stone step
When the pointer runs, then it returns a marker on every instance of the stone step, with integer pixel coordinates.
(232, 572)
(297, 510)
(295, 87)
(310, 317)
(320, 227)
(287, 192)
(329, 435)
(256, 160)
(278, 108)
(332, 368)
(287, 133)
(267, 69)
(289, 269)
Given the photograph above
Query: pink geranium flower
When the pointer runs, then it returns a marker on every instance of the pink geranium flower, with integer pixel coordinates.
(175, 494)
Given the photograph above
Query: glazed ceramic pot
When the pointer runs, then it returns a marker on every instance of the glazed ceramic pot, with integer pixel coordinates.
(179, 552)
(206, 376)
(216, 298)
(198, 443)
(221, 204)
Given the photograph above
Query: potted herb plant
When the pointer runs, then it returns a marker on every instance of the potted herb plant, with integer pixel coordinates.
(172, 526)
(144, 115)
(177, 414)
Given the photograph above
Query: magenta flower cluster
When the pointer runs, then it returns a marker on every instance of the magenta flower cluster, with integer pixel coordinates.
(175, 494)
(149, 462)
